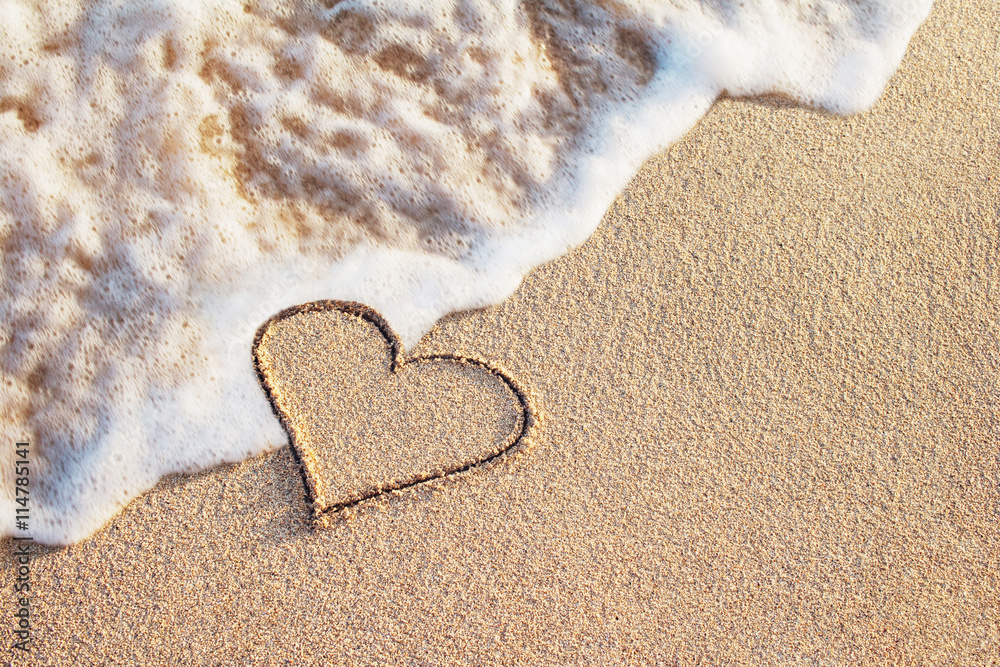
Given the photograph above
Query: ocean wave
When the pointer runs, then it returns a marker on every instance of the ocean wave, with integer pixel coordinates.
(172, 173)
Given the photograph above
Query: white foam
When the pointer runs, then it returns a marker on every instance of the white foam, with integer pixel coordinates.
(173, 173)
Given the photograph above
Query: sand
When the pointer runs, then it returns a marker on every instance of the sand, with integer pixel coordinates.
(769, 399)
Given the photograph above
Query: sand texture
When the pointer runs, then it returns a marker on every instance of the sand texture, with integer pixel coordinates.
(769, 390)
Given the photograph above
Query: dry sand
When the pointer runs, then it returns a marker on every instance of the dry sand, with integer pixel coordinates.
(770, 399)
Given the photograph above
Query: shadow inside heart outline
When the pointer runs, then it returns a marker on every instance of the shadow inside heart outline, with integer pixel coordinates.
(315, 486)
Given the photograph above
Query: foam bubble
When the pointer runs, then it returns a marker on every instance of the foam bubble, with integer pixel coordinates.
(173, 173)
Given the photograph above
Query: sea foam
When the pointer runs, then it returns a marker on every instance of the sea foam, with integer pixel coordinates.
(174, 172)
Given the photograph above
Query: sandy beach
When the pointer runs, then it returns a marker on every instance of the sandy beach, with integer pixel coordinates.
(767, 431)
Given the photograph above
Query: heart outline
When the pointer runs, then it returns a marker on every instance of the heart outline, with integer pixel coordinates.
(314, 486)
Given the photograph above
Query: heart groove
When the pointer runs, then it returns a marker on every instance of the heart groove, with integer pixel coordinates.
(355, 483)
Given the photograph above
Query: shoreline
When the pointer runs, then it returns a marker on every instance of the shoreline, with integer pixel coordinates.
(769, 386)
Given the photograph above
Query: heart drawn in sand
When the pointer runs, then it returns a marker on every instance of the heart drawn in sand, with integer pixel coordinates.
(364, 420)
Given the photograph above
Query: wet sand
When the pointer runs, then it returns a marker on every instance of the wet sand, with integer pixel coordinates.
(768, 392)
